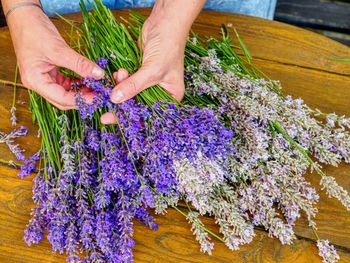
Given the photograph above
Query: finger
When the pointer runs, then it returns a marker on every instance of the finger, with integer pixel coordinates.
(88, 95)
(79, 64)
(58, 106)
(120, 75)
(56, 94)
(108, 118)
(133, 85)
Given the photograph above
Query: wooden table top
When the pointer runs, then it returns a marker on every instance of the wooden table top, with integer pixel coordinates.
(301, 60)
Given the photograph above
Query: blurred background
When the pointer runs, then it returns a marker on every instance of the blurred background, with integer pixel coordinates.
(327, 17)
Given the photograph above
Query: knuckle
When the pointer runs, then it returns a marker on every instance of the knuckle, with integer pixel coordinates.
(155, 75)
(57, 51)
(80, 65)
(132, 88)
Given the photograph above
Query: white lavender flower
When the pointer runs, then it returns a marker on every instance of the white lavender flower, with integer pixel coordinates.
(201, 235)
(260, 204)
(233, 224)
(196, 181)
(13, 116)
(333, 189)
(161, 203)
(327, 251)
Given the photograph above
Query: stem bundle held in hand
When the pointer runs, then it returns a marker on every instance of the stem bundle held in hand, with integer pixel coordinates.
(235, 149)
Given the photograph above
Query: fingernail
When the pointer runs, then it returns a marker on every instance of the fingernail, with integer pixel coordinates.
(117, 97)
(97, 72)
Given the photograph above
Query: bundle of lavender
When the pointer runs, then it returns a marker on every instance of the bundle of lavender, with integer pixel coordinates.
(235, 149)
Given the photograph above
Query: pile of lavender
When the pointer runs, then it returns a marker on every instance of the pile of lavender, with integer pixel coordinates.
(235, 149)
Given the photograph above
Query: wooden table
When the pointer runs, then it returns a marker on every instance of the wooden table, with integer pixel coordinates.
(301, 60)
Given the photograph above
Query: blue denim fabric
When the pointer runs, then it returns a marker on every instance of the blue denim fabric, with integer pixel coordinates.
(260, 8)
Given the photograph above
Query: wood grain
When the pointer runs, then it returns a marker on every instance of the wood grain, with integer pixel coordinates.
(298, 58)
(173, 242)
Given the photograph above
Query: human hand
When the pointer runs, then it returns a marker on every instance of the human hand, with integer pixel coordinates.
(163, 60)
(164, 36)
(40, 49)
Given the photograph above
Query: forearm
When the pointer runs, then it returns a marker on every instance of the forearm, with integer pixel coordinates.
(180, 13)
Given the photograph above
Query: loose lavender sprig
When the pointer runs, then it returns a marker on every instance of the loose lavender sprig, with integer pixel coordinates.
(327, 251)
(13, 116)
(201, 235)
(9, 140)
(29, 165)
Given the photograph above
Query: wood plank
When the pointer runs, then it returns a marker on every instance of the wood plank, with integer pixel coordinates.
(173, 242)
(322, 14)
(337, 36)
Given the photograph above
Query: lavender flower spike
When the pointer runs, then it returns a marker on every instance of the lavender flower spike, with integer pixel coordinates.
(9, 140)
(202, 236)
(13, 116)
(29, 165)
(333, 189)
(327, 251)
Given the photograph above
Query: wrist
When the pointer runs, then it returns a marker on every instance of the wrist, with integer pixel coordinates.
(21, 17)
(179, 14)
(8, 4)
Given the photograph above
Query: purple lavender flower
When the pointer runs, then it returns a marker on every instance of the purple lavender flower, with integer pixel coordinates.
(146, 196)
(58, 225)
(92, 139)
(71, 243)
(39, 188)
(182, 134)
(29, 165)
(9, 140)
(16, 150)
(103, 232)
(103, 62)
(101, 89)
(125, 216)
(146, 218)
(34, 232)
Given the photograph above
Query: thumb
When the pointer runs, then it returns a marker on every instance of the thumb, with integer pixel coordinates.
(133, 85)
(79, 64)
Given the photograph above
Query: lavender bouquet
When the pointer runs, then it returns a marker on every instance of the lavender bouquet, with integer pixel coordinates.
(236, 149)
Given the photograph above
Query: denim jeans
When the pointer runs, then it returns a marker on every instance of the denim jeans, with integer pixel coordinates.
(260, 8)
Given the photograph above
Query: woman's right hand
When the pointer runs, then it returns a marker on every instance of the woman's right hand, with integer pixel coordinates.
(40, 49)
